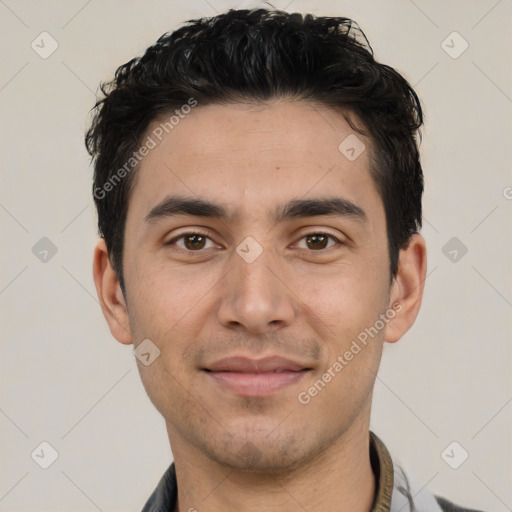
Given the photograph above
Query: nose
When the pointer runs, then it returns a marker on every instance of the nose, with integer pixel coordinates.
(255, 297)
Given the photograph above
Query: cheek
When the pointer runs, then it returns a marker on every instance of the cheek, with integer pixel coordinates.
(168, 299)
(349, 306)
(347, 298)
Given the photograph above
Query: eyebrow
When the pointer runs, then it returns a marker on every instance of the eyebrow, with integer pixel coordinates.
(296, 208)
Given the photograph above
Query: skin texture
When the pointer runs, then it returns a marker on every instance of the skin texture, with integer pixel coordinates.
(296, 300)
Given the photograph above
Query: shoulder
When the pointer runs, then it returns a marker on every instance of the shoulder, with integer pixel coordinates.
(448, 506)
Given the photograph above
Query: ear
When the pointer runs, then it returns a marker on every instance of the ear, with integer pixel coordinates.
(110, 295)
(407, 288)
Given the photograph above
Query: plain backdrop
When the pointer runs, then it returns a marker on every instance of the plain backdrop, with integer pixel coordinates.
(67, 382)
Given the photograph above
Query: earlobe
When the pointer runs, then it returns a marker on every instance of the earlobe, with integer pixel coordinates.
(407, 288)
(110, 295)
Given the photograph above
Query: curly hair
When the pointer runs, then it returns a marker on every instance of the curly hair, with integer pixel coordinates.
(256, 56)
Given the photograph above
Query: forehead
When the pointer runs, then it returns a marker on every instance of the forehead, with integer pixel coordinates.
(251, 156)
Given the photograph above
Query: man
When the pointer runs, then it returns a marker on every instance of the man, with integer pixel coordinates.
(258, 187)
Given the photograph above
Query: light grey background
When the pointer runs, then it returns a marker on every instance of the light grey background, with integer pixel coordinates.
(66, 381)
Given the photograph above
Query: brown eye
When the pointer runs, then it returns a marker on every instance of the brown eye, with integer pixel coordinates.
(193, 242)
(318, 241)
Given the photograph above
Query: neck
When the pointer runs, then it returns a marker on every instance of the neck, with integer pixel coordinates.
(340, 479)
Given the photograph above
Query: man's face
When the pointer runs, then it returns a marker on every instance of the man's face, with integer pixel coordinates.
(253, 287)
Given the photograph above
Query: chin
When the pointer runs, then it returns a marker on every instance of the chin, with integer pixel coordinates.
(258, 452)
(250, 459)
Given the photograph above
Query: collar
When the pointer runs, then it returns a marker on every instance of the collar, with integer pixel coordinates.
(382, 466)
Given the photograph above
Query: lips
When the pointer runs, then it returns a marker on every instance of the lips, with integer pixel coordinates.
(256, 377)
(246, 365)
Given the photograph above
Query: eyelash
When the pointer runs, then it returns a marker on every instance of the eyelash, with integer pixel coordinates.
(207, 235)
